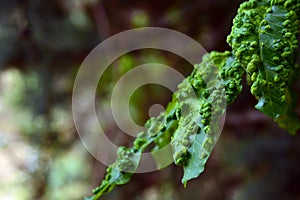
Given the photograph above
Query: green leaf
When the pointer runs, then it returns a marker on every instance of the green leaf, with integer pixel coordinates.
(158, 131)
(198, 127)
(277, 55)
(119, 172)
(199, 156)
(264, 44)
(264, 41)
(290, 122)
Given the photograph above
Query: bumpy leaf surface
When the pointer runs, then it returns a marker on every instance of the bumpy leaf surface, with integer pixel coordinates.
(264, 41)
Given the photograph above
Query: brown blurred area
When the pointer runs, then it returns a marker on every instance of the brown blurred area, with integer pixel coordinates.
(42, 44)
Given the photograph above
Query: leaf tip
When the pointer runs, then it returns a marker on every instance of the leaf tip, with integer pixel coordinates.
(184, 183)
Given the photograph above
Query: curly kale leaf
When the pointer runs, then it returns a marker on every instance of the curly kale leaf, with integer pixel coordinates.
(264, 41)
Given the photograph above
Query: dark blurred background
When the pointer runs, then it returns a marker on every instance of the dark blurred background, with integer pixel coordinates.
(42, 44)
